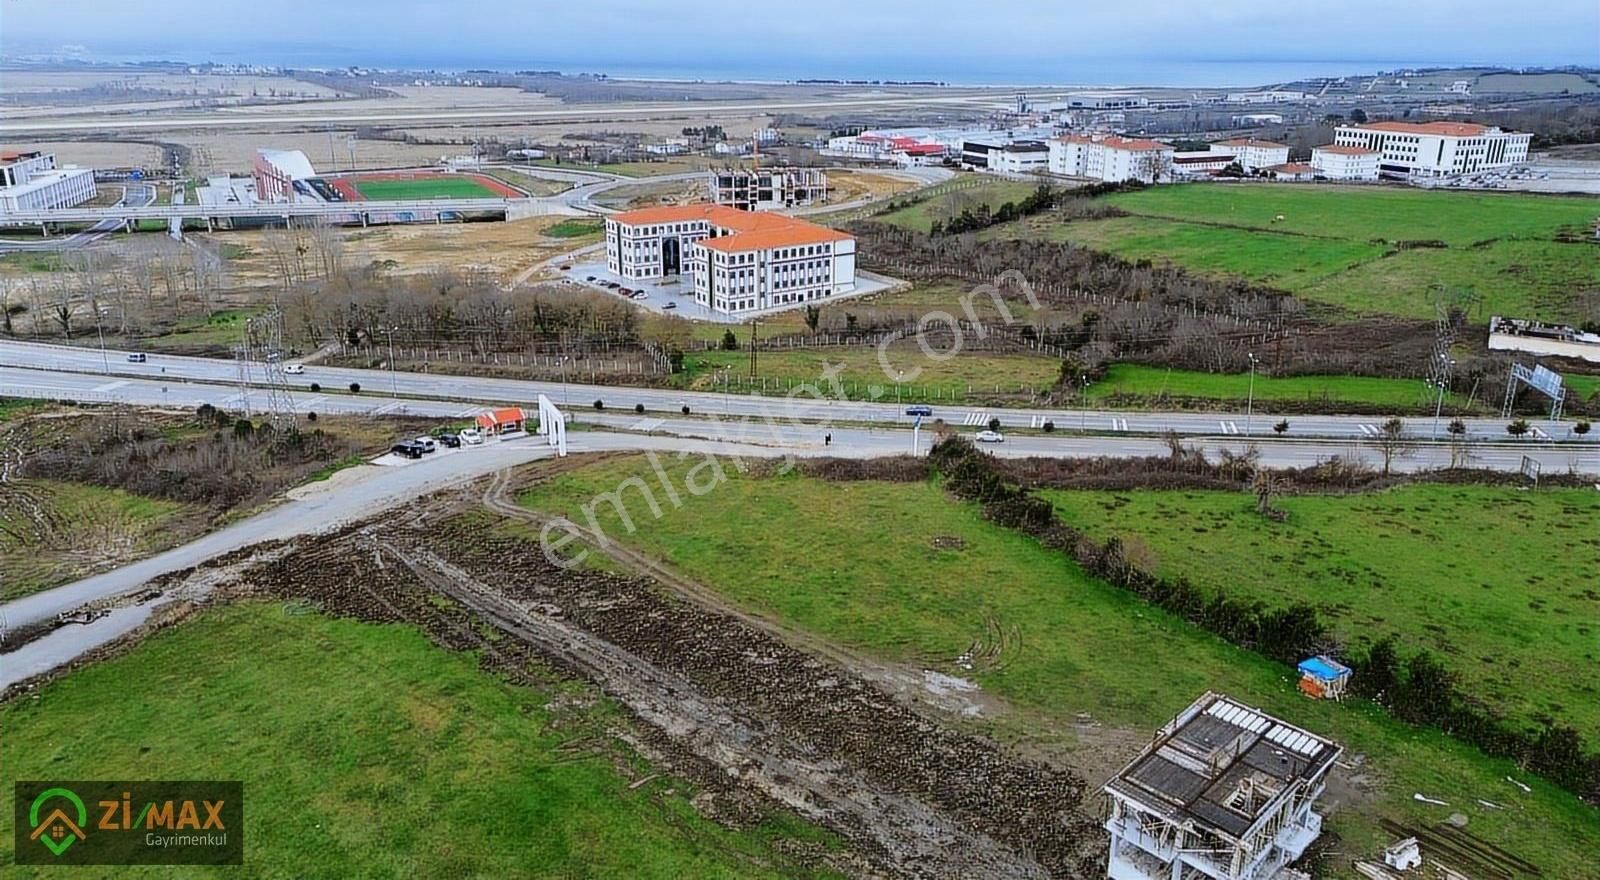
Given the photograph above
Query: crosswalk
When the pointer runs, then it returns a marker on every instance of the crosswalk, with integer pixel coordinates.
(975, 418)
(1370, 430)
(1038, 421)
(1119, 424)
(1538, 433)
(647, 425)
(1229, 427)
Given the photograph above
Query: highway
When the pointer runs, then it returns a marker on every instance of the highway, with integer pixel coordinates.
(63, 360)
(134, 196)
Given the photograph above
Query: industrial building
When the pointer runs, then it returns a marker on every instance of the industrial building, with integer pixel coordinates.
(1110, 158)
(740, 261)
(30, 181)
(1224, 792)
(275, 173)
(767, 189)
(1336, 162)
(1106, 101)
(1422, 150)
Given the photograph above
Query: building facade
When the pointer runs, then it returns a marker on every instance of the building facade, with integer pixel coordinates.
(738, 261)
(275, 172)
(1253, 154)
(1111, 158)
(1335, 162)
(1421, 150)
(767, 189)
(30, 181)
(1022, 157)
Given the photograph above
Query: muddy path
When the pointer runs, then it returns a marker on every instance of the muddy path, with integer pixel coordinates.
(725, 701)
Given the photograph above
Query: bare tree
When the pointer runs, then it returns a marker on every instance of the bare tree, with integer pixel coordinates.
(1393, 443)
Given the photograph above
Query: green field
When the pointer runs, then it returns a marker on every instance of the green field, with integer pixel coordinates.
(920, 216)
(1498, 583)
(366, 751)
(1157, 382)
(52, 532)
(1336, 245)
(923, 378)
(575, 229)
(438, 186)
(856, 563)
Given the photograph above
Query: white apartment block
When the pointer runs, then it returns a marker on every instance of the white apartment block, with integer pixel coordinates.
(766, 189)
(1253, 154)
(740, 261)
(1345, 163)
(1022, 157)
(1111, 158)
(30, 181)
(1410, 150)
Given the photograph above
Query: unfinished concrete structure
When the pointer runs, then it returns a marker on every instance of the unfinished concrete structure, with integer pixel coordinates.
(1224, 791)
(767, 189)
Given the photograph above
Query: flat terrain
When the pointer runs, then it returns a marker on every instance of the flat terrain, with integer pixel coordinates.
(859, 370)
(929, 581)
(1344, 246)
(1470, 573)
(365, 750)
(52, 532)
(1153, 384)
(442, 186)
(920, 216)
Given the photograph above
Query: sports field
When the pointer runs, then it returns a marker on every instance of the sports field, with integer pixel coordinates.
(1365, 250)
(417, 186)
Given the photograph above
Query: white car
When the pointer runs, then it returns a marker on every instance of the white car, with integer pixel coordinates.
(294, 369)
(991, 437)
(428, 444)
(472, 437)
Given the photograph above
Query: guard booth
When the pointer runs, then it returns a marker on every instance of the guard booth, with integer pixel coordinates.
(1323, 678)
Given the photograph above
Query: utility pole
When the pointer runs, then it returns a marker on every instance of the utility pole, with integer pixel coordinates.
(1250, 401)
(394, 388)
(105, 359)
(1083, 404)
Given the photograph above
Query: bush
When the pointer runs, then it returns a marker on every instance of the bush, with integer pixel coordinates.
(599, 404)
(639, 408)
(243, 428)
(355, 387)
(994, 423)
(1049, 427)
(729, 341)
(315, 387)
(1518, 428)
(1581, 428)
(1457, 427)
(1281, 427)
(311, 416)
(686, 409)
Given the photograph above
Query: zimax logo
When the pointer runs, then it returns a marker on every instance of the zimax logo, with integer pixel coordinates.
(129, 823)
(60, 827)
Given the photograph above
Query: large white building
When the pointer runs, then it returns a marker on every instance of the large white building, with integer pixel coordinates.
(1253, 153)
(740, 261)
(1021, 157)
(1223, 792)
(767, 189)
(1412, 150)
(1335, 162)
(1111, 158)
(275, 172)
(30, 181)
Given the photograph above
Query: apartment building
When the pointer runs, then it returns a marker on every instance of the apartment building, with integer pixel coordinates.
(739, 261)
(1021, 157)
(1413, 150)
(30, 181)
(1253, 154)
(767, 189)
(1110, 158)
(1335, 162)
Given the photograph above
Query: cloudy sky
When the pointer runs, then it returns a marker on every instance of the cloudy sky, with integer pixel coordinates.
(993, 40)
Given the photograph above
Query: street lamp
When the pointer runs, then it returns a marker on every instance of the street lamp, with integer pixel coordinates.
(394, 388)
(1083, 404)
(1250, 400)
(105, 359)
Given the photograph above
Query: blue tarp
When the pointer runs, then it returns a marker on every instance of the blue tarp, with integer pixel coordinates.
(1323, 668)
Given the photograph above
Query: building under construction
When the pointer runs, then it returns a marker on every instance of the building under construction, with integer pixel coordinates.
(767, 189)
(1223, 792)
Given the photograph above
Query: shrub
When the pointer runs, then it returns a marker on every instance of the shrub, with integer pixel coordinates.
(355, 387)
(639, 408)
(1281, 427)
(1581, 428)
(994, 423)
(599, 404)
(1049, 427)
(315, 387)
(685, 409)
(1457, 427)
(311, 416)
(729, 341)
(1518, 428)
(243, 428)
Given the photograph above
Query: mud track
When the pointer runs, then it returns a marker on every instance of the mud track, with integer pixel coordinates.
(726, 701)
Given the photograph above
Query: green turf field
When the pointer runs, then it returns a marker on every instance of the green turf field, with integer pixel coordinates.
(1337, 245)
(441, 186)
(366, 751)
(856, 562)
(1154, 383)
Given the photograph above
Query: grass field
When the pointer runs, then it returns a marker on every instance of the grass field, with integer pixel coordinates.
(1467, 572)
(575, 228)
(855, 562)
(921, 215)
(52, 532)
(1155, 382)
(975, 373)
(439, 186)
(365, 751)
(1334, 245)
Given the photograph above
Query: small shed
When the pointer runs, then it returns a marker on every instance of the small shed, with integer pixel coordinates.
(506, 420)
(1324, 678)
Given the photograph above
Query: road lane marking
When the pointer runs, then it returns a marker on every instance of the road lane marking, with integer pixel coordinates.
(109, 386)
(1229, 427)
(648, 425)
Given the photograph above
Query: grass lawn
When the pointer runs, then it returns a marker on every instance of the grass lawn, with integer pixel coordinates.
(975, 373)
(224, 328)
(575, 228)
(84, 529)
(856, 563)
(1154, 382)
(366, 751)
(1498, 583)
(533, 186)
(921, 215)
(440, 186)
(1333, 243)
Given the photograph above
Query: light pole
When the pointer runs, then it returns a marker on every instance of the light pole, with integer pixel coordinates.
(1250, 400)
(1083, 404)
(105, 359)
(394, 388)
(1444, 383)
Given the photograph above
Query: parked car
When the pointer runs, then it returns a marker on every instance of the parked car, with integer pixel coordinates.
(407, 449)
(449, 440)
(625, 291)
(640, 294)
(471, 437)
(565, 267)
(919, 410)
(991, 437)
(588, 278)
(670, 305)
(427, 444)
(294, 369)
(136, 357)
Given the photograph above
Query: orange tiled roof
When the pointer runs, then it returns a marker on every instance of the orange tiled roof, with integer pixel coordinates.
(1448, 129)
(1292, 168)
(752, 230)
(503, 416)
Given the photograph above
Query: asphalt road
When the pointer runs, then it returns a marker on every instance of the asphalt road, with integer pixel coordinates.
(172, 368)
(137, 194)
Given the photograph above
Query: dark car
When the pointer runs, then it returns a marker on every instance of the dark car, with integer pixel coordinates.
(137, 357)
(407, 449)
(919, 410)
(449, 438)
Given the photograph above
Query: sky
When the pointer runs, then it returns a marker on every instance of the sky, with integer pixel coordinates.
(952, 40)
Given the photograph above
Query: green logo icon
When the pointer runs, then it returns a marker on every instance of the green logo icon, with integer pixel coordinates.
(58, 831)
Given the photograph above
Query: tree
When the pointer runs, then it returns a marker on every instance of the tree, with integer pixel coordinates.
(1581, 428)
(1049, 427)
(1281, 427)
(1358, 116)
(355, 387)
(599, 404)
(813, 318)
(1393, 443)
(638, 409)
(1518, 428)
(1459, 455)
(1457, 428)
(994, 424)
(730, 342)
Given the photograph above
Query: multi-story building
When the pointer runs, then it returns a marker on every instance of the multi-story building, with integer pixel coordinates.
(740, 261)
(30, 181)
(1253, 153)
(1335, 162)
(1111, 158)
(275, 172)
(1223, 792)
(1420, 150)
(1199, 163)
(1021, 157)
(767, 189)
